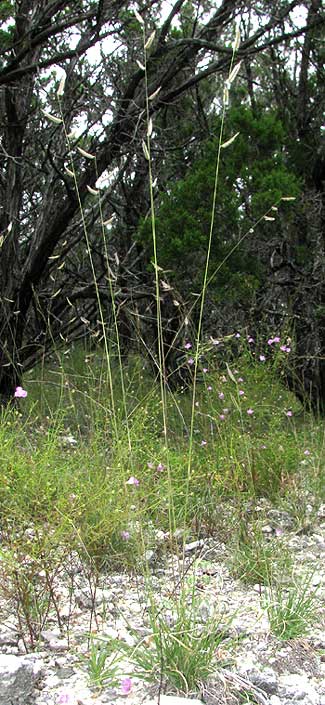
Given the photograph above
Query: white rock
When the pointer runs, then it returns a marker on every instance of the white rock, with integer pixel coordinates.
(8, 638)
(297, 686)
(49, 634)
(58, 644)
(18, 675)
(264, 679)
(275, 700)
(190, 547)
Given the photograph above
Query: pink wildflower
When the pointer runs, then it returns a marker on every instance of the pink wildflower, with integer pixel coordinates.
(289, 413)
(160, 467)
(250, 412)
(306, 452)
(276, 339)
(270, 341)
(240, 379)
(251, 340)
(237, 335)
(209, 388)
(190, 361)
(188, 346)
(125, 535)
(20, 393)
(222, 417)
(205, 369)
(221, 395)
(241, 392)
(126, 686)
(203, 443)
(132, 481)
(150, 465)
(262, 358)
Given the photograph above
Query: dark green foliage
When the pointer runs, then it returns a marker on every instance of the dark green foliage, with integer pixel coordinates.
(6, 12)
(253, 176)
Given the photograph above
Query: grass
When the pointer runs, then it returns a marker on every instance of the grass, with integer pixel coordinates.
(68, 470)
(103, 663)
(178, 650)
(256, 560)
(65, 477)
(182, 651)
(68, 465)
(292, 608)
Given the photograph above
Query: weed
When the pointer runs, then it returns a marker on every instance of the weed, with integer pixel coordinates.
(256, 560)
(103, 663)
(291, 609)
(181, 651)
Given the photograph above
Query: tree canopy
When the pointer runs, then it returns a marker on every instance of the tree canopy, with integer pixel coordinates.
(78, 83)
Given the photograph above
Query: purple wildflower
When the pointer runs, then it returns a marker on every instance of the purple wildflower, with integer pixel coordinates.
(125, 535)
(188, 346)
(160, 467)
(221, 395)
(190, 361)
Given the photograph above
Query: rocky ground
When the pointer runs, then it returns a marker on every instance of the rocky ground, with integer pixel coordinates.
(260, 668)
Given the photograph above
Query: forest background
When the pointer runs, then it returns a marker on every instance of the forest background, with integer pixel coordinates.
(266, 260)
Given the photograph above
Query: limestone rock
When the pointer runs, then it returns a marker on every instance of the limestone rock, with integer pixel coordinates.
(18, 675)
